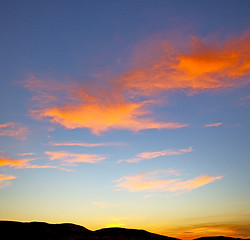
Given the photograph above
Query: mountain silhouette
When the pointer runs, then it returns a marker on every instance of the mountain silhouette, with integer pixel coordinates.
(67, 231)
(12, 230)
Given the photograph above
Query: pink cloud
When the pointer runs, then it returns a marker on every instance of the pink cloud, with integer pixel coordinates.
(71, 159)
(13, 129)
(244, 101)
(25, 154)
(213, 124)
(4, 180)
(193, 183)
(151, 155)
(159, 181)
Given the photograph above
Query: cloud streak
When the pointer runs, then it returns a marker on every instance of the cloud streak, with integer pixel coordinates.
(15, 163)
(160, 181)
(23, 163)
(230, 229)
(150, 155)
(25, 154)
(213, 124)
(71, 159)
(4, 180)
(13, 129)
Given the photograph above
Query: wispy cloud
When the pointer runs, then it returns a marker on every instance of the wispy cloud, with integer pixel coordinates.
(23, 163)
(25, 154)
(160, 181)
(100, 111)
(193, 183)
(15, 163)
(150, 155)
(4, 180)
(126, 101)
(71, 159)
(200, 65)
(213, 124)
(84, 144)
(244, 101)
(14, 129)
(230, 229)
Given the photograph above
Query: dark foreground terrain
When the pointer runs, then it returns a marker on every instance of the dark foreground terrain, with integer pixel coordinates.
(66, 231)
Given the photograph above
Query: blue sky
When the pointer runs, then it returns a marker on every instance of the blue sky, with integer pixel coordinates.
(161, 85)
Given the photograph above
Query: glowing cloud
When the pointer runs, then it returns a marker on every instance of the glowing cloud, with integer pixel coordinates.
(23, 163)
(235, 229)
(193, 183)
(13, 129)
(150, 155)
(201, 65)
(93, 107)
(158, 181)
(213, 124)
(70, 159)
(101, 117)
(126, 101)
(15, 163)
(4, 180)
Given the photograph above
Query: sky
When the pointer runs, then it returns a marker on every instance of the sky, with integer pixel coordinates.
(127, 114)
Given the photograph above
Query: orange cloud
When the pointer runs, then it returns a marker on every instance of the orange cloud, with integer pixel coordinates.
(101, 117)
(150, 155)
(193, 183)
(93, 106)
(158, 181)
(126, 101)
(229, 229)
(83, 144)
(23, 163)
(13, 129)
(4, 180)
(213, 124)
(70, 159)
(15, 163)
(202, 65)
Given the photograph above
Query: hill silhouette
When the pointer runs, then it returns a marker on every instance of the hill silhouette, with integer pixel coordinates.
(66, 231)
(12, 230)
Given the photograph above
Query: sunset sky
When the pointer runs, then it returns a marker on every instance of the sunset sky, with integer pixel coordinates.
(122, 113)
